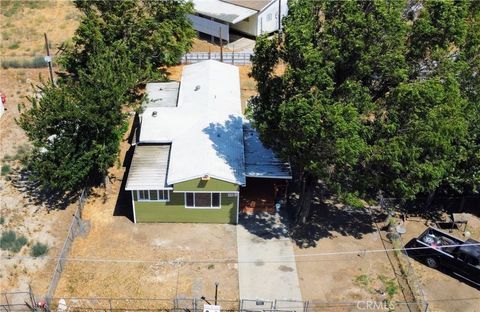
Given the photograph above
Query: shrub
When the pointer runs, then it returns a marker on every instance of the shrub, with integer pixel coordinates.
(390, 285)
(2, 220)
(35, 62)
(351, 200)
(19, 243)
(39, 249)
(9, 241)
(14, 46)
(5, 169)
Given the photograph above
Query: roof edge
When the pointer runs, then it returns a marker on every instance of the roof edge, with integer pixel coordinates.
(199, 176)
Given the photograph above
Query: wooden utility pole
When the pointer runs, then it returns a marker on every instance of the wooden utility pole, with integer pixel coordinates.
(279, 19)
(221, 46)
(48, 58)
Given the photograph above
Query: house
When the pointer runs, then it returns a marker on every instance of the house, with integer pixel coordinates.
(195, 153)
(251, 17)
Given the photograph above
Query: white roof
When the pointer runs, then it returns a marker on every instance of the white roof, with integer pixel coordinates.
(162, 93)
(222, 11)
(205, 129)
(260, 161)
(149, 168)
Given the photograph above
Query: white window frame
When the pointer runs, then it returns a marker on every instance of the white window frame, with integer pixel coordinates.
(153, 200)
(206, 207)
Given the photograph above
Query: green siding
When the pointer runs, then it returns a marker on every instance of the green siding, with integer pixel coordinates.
(212, 185)
(175, 211)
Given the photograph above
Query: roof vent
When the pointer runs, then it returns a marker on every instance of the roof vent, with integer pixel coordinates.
(154, 114)
(197, 87)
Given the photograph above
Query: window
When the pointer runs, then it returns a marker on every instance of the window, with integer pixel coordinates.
(269, 17)
(143, 195)
(163, 195)
(151, 195)
(215, 199)
(202, 200)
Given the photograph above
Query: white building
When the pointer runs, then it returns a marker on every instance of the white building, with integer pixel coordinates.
(251, 17)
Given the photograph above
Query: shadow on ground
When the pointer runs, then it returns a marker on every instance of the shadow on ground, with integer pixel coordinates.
(329, 220)
(265, 225)
(123, 205)
(20, 179)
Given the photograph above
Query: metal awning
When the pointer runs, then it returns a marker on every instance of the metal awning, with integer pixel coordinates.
(260, 161)
(149, 168)
(222, 11)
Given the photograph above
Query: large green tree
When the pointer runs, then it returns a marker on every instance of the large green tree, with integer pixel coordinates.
(362, 97)
(157, 33)
(76, 127)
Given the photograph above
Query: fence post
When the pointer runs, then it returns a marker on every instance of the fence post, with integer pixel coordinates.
(8, 304)
(110, 303)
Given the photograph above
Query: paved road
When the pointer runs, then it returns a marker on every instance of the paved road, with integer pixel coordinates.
(267, 268)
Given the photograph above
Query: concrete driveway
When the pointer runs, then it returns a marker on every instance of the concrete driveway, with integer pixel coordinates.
(267, 268)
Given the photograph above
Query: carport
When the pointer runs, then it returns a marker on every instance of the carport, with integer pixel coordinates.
(267, 176)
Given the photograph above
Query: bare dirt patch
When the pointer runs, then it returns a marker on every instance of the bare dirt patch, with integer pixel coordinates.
(22, 26)
(21, 213)
(349, 272)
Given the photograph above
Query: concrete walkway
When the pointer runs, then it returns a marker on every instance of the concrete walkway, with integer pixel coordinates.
(267, 268)
(241, 44)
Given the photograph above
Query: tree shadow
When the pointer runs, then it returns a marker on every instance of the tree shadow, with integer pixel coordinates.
(266, 225)
(227, 139)
(330, 220)
(436, 210)
(20, 179)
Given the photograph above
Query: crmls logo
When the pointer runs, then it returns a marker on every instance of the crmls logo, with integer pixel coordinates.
(375, 305)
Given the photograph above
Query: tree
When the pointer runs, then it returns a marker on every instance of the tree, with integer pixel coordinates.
(156, 33)
(76, 127)
(367, 100)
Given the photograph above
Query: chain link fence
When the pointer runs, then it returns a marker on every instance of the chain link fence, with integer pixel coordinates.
(235, 58)
(77, 227)
(25, 301)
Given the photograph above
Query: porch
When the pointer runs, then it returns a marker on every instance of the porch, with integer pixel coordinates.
(261, 195)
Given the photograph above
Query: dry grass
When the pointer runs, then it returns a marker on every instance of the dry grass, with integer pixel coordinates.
(24, 23)
(201, 45)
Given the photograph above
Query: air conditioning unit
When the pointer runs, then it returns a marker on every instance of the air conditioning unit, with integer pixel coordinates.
(211, 308)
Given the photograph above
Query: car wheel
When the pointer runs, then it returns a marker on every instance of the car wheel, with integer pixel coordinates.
(431, 262)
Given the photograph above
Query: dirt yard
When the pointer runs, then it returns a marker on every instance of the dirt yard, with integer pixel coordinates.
(445, 293)
(19, 212)
(158, 260)
(348, 277)
(22, 26)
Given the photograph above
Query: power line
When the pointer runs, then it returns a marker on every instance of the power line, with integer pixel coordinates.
(231, 260)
